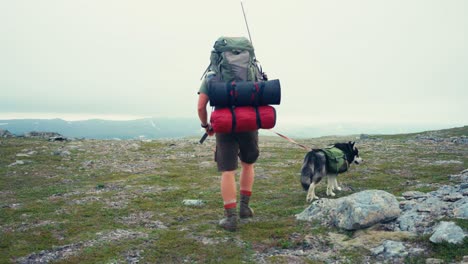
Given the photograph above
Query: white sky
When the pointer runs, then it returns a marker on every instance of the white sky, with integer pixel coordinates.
(348, 60)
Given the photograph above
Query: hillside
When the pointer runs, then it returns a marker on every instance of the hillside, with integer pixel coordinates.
(152, 128)
(122, 201)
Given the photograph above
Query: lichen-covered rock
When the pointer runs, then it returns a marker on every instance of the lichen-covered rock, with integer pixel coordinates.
(448, 232)
(390, 249)
(460, 209)
(356, 211)
(421, 212)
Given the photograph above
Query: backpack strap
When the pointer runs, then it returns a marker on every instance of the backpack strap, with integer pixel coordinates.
(207, 68)
(232, 93)
(260, 92)
(234, 122)
(259, 120)
(255, 91)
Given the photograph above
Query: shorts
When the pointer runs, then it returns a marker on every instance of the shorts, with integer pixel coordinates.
(229, 146)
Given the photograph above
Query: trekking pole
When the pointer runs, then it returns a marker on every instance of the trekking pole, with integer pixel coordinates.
(246, 24)
(203, 138)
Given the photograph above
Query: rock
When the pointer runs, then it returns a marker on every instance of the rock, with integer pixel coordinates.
(5, 134)
(453, 197)
(390, 249)
(407, 205)
(206, 164)
(43, 135)
(414, 195)
(460, 140)
(189, 202)
(420, 215)
(65, 153)
(411, 222)
(465, 260)
(364, 136)
(356, 211)
(58, 138)
(12, 206)
(448, 232)
(461, 209)
(62, 153)
(444, 162)
(19, 162)
(434, 261)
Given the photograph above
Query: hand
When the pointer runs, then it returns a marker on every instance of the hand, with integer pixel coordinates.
(209, 130)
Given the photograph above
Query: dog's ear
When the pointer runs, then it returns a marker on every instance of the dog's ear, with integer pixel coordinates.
(352, 144)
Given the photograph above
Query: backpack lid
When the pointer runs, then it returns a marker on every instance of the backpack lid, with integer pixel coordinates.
(223, 44)
(233, 58)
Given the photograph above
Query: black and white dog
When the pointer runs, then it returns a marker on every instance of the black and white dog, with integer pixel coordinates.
(315, 168)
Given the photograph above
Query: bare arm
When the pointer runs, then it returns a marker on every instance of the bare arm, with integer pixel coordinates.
(202, 103)
(202, 112)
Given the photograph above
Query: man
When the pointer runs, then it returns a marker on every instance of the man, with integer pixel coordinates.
(230, 146)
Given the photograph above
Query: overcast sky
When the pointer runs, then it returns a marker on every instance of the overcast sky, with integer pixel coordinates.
(349, 60)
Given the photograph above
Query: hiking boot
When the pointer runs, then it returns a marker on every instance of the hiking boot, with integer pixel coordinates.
(245, 211)
(230, 221)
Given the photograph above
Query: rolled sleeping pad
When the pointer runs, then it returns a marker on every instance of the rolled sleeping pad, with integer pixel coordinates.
(242, 118)
(244, 93)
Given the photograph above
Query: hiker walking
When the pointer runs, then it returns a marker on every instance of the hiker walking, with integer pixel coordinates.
(232, 59)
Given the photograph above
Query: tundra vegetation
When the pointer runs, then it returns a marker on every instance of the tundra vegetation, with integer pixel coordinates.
(125, 201)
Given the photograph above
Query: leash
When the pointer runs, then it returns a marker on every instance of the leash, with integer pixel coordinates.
(279, 134)
(291, 140)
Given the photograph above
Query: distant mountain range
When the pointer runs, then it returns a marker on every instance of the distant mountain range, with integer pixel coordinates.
(156, 128)
(150, 128)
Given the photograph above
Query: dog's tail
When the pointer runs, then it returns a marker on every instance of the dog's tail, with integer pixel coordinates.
(308, 170)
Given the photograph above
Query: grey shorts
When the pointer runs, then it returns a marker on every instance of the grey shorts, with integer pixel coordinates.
(230, 146)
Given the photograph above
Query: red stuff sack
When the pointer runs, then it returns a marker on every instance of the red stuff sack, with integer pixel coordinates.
(243, 119)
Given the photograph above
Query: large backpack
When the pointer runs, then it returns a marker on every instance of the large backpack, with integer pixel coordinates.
(233, 59)
(232, 62)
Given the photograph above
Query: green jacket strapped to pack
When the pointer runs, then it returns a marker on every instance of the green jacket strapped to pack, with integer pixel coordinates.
(335, 159)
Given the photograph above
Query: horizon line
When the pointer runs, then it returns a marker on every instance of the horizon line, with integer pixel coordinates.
(295, 121)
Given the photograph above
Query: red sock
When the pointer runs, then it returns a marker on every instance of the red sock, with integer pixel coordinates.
(246, 193)
(230, 205)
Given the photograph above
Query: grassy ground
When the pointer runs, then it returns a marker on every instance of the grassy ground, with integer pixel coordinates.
(92, 201)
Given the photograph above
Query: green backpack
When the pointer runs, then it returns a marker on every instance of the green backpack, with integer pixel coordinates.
(335, 158)
(233, 59)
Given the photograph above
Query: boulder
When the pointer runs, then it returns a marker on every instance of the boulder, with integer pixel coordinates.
(460, 209)
(447, 232)
(5, 134)
(390, 249)
(356, 211)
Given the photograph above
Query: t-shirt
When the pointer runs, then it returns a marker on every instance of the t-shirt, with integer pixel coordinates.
(203, 87)
(204, 84)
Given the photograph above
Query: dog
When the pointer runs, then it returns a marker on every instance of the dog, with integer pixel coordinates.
(317, 164)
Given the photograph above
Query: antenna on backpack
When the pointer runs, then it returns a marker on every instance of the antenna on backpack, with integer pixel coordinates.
(245, 19)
